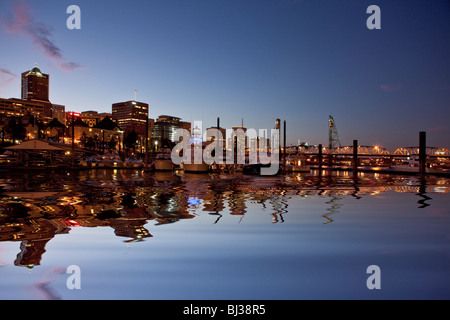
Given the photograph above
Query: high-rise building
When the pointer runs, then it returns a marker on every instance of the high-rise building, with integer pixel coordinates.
(35, 85)
(59, 112)
(35, 99)
(71, 116)
(131, 115)
(19, 108)
(92, 118)
(166, 129)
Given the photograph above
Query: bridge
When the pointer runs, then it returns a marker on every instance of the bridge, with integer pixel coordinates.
(374, 151)
(336, 154)
(335, 148)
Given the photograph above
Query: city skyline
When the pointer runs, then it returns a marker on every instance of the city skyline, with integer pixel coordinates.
(299, 61)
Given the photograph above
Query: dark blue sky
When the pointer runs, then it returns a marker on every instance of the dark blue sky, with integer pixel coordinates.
(253, 59)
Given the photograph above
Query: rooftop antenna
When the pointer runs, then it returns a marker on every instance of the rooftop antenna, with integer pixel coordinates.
(135, 95)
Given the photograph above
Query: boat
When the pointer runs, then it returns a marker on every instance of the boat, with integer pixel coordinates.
(413, 166)
(89, 162)
(195, 167)
(217, 168)
(297, 163)
(222, 166)
(133, 163)
(409, 165)
(256, 169)
(109, 161)
(163, 163)
(191, 165)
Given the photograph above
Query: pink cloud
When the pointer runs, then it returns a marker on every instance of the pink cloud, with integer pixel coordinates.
(391, 87)
(21, 18)
(69, 66)
(6, 77)
(6, 73)
(437, 128)
(45, 289)
(41, 34)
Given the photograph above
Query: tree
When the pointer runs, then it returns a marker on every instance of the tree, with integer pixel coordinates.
(84, 140)
(167, 143)
(130, 140)
(112, 144)
(96, 143)
(15, 129)
(90, 143)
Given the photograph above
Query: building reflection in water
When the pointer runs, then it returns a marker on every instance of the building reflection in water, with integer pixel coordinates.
(128, 201)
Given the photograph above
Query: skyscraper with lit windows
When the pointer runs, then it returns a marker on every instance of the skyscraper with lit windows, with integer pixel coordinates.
(131, 115)
(35, 85)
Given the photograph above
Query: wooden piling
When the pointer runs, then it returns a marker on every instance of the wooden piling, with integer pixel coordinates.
(320, 159)
(284, 146)
(73, 140)
(422, 152)
(355, 156)
(146, 144)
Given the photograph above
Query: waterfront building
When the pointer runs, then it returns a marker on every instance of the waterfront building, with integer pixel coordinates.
(131, 115)
(238, 137)
(108, 131)
(55, 130)
(35, 88)
(35, 85)
(78, 127)
(34, 99)
(165, 130)
(104, 135)
(71, 115)
(212, 134)
(59, 112)
(41, 110)
(92, 118)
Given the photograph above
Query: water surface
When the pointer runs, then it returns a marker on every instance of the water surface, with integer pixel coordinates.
(139, 235)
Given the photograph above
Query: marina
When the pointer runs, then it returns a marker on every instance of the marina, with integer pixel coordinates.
(297, 161)
(236, 156)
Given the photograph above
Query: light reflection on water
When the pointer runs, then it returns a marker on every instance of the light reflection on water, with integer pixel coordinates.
(36, 210)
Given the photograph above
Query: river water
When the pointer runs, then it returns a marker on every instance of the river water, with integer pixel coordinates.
(137, 235)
